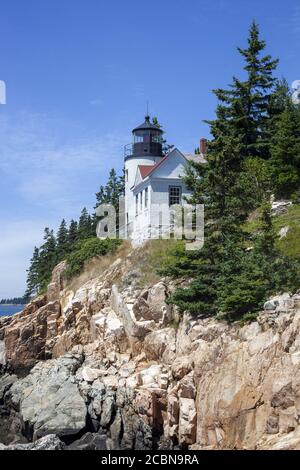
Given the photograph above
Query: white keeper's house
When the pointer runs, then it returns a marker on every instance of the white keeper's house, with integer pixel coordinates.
(152, 180)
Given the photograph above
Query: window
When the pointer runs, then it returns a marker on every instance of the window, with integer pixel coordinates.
(174, 195)
(141, 200)
(126, 176)
(146, 198)
(136, 204)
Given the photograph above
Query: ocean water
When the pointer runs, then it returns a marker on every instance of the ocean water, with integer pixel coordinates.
(6, 310)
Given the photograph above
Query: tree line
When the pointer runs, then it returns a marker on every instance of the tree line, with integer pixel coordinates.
(13, 301)
(254, 153)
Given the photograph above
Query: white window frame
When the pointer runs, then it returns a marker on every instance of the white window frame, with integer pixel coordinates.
(175, 198)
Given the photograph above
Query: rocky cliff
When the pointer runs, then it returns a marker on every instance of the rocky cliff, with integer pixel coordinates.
(111, 365)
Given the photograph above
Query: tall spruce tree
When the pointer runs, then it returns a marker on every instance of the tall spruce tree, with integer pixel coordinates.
(62, 240)
(112, 191)
(247, 102)
(32, 283)
(72, 234)
(48, 257)
(216, 185)
(85, 225)
(42, 264)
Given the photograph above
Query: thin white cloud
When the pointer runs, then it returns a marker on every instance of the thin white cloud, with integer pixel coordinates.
(295, 20)
(51, 175)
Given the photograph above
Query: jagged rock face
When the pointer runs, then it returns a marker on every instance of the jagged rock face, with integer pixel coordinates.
(114, 373)
(50, 442)
(48, 399)
(25, 335)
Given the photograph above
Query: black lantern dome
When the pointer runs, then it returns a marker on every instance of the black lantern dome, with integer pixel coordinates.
(147, 139)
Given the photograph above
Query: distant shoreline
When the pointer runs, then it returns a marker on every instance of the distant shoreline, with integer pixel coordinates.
(13, 305)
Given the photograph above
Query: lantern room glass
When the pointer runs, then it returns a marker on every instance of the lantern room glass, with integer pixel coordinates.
(147, 136)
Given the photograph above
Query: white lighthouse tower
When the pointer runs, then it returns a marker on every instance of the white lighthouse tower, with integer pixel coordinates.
(146, 150)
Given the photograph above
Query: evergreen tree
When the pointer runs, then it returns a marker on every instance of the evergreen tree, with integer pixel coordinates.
(241, 285)
(111, 193)
(62, 240)
(47, 258)
(72, 234)
(85, 225)
(42, 263)
(246, 275)
(247, 103)
(285, 152)
(249, 277)
(216, 185)
(279, 100)
(32, 283)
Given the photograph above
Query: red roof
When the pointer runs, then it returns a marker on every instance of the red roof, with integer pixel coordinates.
(145, 170)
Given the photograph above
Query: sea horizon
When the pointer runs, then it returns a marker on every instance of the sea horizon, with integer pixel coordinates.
(10, 309)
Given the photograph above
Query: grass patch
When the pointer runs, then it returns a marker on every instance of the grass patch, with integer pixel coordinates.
(289, 245)
(151, 257)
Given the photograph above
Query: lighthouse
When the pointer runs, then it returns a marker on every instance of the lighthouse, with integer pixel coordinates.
(145, 150)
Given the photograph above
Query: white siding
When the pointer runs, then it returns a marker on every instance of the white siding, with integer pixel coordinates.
(169, 173)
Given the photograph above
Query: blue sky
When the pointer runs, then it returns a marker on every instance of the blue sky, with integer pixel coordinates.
(78, 75)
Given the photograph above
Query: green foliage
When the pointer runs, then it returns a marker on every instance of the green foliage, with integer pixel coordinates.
(72, 234)
(42, 263)
(86, 227)
(285, 153)
(62, 239)
(247, 103)
(248, 318)
(87, 249)
(256, 178)
(289, 245)
(112, 191)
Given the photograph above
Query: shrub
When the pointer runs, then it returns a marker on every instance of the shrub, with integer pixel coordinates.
(87, 249)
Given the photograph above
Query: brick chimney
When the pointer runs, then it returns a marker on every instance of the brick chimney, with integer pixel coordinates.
(203, 146)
